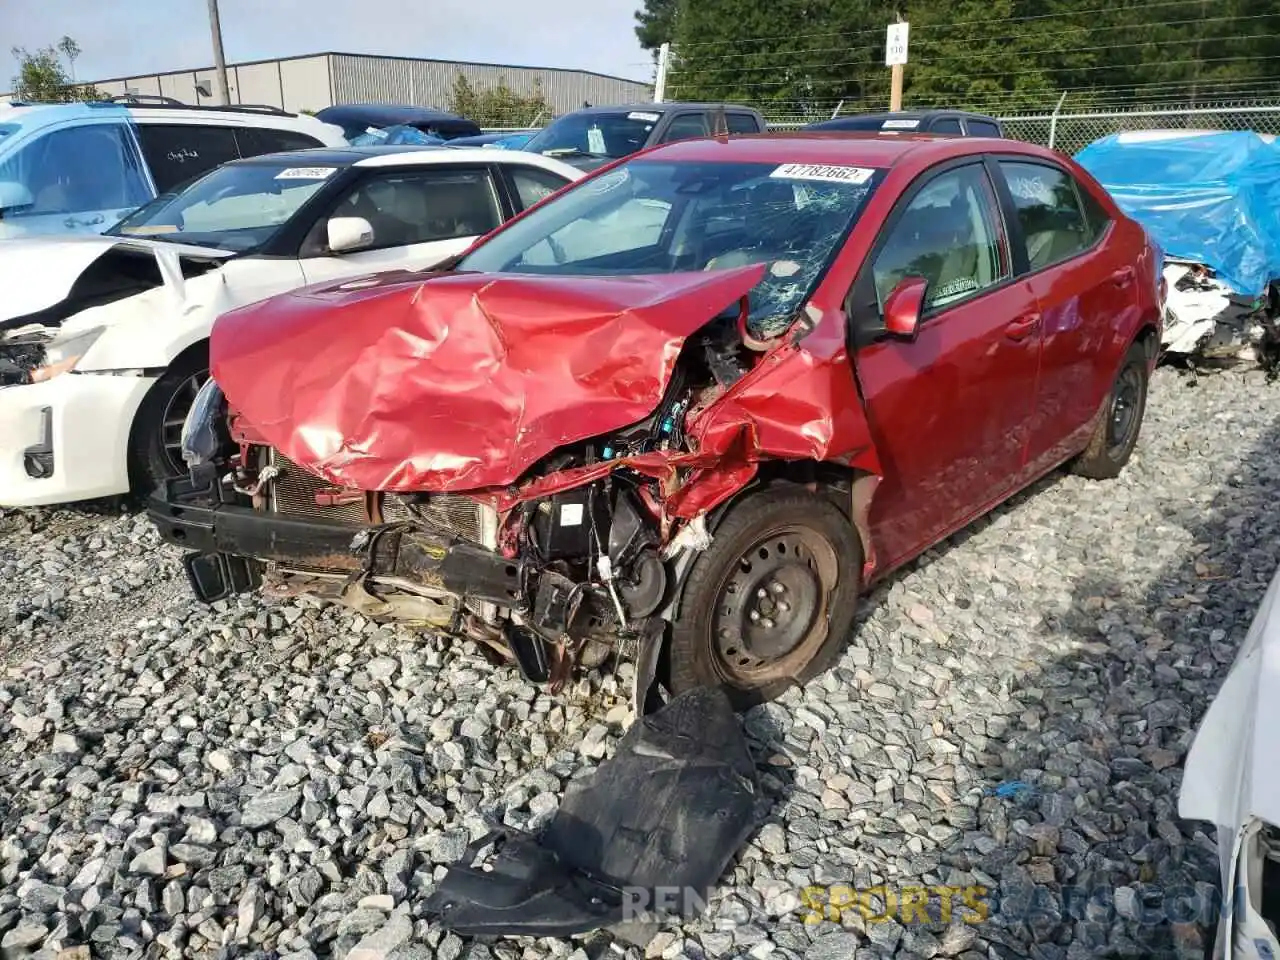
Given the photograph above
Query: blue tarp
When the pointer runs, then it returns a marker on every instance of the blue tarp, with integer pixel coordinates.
(395, 136)
(1213, 198)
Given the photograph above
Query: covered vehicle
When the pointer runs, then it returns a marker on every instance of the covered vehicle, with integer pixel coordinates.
(685, 410)
(104, 340)
(1230, 780)
(358, 119)
(1211, 200)
(499, 140)
(594, 136)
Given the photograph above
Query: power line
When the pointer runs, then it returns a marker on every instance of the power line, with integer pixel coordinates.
(739, 71)
(785, 54)
(999, 73)
(959, 23)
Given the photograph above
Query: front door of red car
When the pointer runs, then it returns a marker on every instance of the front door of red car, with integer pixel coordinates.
(950, 410)
(1085, 277)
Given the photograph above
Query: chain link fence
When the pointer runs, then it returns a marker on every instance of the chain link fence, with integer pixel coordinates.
(1070, 132)
(1066, 130)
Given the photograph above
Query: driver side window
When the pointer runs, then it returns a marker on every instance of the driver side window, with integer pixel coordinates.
(423, 206)
(950, 235)
(79, 170)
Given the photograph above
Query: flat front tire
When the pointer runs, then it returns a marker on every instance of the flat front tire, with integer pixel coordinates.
(770, 603)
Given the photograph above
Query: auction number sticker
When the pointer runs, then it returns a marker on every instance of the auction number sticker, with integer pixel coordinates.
(647, 117)
(305, 173)
(823, 172)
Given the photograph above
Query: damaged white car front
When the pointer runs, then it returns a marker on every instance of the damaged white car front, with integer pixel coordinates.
(1205, 318)
(93, 325)
(1231, 779)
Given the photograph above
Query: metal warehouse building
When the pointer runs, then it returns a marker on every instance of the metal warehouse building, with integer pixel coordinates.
(322, 79)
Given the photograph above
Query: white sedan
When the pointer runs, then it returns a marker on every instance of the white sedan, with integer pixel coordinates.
(104, 339)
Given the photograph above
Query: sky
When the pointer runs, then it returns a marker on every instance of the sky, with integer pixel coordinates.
(133, 37)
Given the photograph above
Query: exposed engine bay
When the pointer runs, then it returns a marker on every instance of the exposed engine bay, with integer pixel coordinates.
(1205, 320)
(553, 583)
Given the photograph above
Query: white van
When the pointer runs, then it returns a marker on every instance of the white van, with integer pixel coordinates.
(81, 167)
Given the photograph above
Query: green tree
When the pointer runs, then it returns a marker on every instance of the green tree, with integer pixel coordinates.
(499, 105)
(656, 24)
(42, 77)
(799, 58)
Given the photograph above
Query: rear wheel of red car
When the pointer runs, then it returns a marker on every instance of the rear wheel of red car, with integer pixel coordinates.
(155, 450)
(770, 603)
(1117, 432)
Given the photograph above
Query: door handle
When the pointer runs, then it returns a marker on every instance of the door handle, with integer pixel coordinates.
(1122, 277)
(1023, 327)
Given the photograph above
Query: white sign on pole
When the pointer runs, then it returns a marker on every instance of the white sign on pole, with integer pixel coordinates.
(895, 48)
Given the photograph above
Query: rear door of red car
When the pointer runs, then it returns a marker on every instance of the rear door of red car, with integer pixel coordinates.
(950, 410)
(1084, 275)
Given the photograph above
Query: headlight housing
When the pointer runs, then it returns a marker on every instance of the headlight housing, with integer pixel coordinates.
(64, 352)
(204, 433)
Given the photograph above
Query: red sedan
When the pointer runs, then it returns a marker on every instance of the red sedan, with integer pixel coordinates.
(684, 411)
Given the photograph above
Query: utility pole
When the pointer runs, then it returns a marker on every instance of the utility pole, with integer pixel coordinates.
(219, 61)
(660, 81)
(895, 58)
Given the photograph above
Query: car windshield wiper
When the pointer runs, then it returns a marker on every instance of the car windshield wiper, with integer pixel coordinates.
(572, 152)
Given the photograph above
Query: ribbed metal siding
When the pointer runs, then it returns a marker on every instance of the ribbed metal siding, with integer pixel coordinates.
(430, 83)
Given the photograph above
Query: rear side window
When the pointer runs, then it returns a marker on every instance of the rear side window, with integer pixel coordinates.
(743, 123)
(1053, 224)
(176, 152)
(983, 128)
(1095, 216)
(945, 125)
(687, 126)
(255, 141)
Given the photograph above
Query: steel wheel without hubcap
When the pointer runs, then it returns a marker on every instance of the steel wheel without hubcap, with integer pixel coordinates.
(772, 607)
(1124, 414)
(173, 418)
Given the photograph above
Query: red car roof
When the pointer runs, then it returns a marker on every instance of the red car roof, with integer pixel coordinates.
(871, 150)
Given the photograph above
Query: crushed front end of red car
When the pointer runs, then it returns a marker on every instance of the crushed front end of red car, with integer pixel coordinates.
(537, 461)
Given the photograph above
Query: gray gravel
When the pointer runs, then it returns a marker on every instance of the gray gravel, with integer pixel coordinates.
(263, 780)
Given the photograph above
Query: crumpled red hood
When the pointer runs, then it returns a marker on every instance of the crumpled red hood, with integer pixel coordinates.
(459, 381)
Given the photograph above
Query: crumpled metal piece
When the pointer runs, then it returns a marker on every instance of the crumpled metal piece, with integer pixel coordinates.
(461, 381)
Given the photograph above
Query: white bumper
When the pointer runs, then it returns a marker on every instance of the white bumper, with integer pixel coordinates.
(89, 419)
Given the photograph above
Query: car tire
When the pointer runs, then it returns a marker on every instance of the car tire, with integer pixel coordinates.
(1116, 433)
(154, 453)
(736, 629)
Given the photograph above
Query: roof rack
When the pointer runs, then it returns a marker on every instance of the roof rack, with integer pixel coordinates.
(169, 103)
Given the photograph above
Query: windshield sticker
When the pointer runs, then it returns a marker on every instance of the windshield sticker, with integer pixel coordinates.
(646, 117)
(1031, 189)
(609, 181)
(305, 173)
(825, 173)
(595, 141)
(900, 125)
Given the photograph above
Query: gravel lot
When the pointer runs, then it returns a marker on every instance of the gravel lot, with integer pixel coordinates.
(256, 780)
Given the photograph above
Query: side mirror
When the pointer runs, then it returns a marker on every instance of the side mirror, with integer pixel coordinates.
(14, 195)
(348, 234)
(904, 307)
